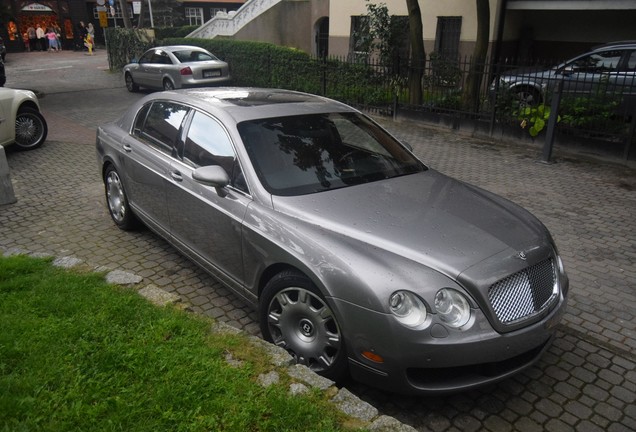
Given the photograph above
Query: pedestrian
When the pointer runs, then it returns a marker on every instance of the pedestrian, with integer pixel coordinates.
(26, 42)
(32, 38)
(81, 36)
(91, 31)
(88, 43)
(58, 35)
(39, 33)
(52, 38)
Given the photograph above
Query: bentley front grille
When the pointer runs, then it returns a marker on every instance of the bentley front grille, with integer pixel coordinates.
(524, 294)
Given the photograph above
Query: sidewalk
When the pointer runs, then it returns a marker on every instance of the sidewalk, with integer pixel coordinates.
(586, 381)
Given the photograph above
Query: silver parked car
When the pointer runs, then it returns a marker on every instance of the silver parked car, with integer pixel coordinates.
(174, 67)
(607, 69)
(360, 259)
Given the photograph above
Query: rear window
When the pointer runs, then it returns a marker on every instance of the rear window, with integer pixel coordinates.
(189, 56)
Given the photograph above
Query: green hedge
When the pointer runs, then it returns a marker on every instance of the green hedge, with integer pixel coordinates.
(259, 64)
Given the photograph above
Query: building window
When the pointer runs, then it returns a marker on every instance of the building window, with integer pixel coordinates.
(194, 16)
(213, 11)
(359, 40)
(447, 39)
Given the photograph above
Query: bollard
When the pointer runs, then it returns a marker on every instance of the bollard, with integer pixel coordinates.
(6, 188)
(552, 121)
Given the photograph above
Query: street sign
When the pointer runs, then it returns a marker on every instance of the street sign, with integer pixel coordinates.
(103, 19)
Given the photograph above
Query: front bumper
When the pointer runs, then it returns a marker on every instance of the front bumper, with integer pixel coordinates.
(438, 359)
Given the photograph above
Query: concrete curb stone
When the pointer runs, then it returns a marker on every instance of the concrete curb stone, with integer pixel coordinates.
(344, 400)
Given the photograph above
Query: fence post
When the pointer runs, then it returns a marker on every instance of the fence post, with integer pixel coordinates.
(6, 188)
(630, 136)
(552, 121)
(323, 77)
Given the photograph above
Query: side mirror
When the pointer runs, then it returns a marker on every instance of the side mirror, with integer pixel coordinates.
(213, 176)
(567, 71)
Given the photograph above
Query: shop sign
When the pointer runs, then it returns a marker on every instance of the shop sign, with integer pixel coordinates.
(36, 7)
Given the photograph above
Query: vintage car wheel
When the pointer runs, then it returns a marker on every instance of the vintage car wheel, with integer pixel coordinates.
(294, 316)
(117, 201)
(30, 129)
(130, 84)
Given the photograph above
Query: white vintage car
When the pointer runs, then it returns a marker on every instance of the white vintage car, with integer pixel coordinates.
(21, 122)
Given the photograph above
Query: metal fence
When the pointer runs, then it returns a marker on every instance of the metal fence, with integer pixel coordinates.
(593, 107)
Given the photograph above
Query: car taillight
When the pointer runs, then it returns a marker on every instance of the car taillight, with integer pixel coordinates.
(186, 71)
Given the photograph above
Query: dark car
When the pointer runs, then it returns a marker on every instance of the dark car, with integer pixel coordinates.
(358, 257)
(607, 69)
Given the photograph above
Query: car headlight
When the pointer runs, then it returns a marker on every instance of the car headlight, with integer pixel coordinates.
(452, 307)
(408, 309)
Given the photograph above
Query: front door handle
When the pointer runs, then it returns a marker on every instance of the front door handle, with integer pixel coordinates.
(176, 176)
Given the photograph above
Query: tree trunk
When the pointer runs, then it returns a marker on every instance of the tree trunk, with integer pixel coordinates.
(418, 55)
(142, 10)
(123, 5)
(478, 61)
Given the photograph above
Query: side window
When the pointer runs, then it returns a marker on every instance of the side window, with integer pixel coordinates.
(146, 57)
(207, 144)
(163, 58)
(163, 124)
(631, 61)
(140, 120)
(598, 62)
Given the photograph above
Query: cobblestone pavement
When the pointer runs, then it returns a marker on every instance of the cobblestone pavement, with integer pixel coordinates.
(585, 382)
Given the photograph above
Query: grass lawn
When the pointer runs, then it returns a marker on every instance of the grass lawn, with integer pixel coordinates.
(77, 354)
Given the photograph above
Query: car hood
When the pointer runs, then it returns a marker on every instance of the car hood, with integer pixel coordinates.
(428, 217)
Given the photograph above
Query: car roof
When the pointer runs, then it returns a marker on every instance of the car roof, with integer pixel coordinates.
(248, 103)
(616, 44)
(172, 48)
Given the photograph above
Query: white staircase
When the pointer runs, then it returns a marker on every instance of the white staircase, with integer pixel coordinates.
(228, 24)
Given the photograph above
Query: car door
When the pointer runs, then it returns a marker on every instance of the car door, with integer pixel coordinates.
(206, 223)
(156, 68)
(152, 66)
(151, 148)
(140, 74)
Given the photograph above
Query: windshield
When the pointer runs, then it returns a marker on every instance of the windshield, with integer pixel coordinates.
(304, 154)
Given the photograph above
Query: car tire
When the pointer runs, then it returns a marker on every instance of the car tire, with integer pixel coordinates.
(528, 97)
(167, 84)
(117, 201)
(130, 83)
(30, 129)
(294, 316)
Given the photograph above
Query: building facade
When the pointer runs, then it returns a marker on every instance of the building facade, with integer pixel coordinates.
(67, 14)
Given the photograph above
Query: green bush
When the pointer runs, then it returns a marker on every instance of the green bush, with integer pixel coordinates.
(124, 45)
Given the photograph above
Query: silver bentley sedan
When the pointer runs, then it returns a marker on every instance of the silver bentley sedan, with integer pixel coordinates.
(174, 67)
(360, 259)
